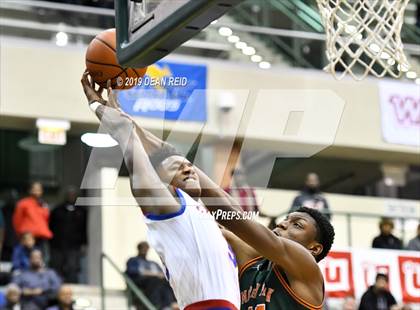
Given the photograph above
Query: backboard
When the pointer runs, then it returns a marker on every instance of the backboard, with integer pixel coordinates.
(148, 30)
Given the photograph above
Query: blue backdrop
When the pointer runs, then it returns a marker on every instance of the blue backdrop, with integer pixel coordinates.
(171, 91)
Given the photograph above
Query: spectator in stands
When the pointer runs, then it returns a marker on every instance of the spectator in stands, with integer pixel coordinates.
(31, 215)
(311, 196)
(21, 252)
(64, 299)
(242, 192)
(38, 284)
(377, 296)
(414, 244)
(10, 197)
(12, 298)
(386, 240)
(149, 277)
(68, 225)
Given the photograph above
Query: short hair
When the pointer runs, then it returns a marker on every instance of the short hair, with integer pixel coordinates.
(157, 157)
(381, 275)
(325, 231)
(142, 244)
(386, 221)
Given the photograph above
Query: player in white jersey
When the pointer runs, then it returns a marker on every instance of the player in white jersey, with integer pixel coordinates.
(199, 263)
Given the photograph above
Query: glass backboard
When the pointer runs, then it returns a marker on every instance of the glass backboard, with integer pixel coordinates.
(148, 30)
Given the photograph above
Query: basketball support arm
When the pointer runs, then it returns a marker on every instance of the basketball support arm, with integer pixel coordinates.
(147, 188)
(149, 191)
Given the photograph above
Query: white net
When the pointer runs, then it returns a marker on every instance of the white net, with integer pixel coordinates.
(363, 36)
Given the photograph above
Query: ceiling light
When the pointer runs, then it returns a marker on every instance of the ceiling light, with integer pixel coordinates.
(225, 31)
(411, 75)
(214, 22)
(98, 140)
(374, 48)
(385, 55)
(389, 181)
(265, 65)
(61, 38)
(350, 29)
(240, 45)
(418, 81)
(256, 58)
(233, 39)
(249, 50)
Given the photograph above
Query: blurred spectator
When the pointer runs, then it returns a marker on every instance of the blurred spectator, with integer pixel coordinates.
(12, 298)
(10, 239)
(68, 224)
(242, 192)
(414, 244)
(38, 284)
(377, 297)
(21, 252)
(311, 196)
(349, 303)
(386, 240)
(149, 277)
(31, 215)
(64, 299)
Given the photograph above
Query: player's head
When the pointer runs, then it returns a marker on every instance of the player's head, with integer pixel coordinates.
(310, 228)
(176, 170)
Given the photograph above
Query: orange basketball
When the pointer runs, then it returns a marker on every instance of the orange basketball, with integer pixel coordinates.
(102, 63)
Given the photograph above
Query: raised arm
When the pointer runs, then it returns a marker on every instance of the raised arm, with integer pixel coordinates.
(151, 194)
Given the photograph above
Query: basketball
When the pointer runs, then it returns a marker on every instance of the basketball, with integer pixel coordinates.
(102, 63)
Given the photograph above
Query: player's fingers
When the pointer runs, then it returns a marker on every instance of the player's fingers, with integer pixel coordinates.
(84, 78)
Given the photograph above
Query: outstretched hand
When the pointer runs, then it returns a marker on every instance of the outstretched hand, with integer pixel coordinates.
(89, 88)
(93, 94)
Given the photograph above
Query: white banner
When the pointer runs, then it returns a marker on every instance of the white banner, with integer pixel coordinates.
(400, 110)
(351, 272)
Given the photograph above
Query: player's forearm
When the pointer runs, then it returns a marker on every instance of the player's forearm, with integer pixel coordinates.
(150, 142)
(259, 237)
(211, 189)
(145, 183)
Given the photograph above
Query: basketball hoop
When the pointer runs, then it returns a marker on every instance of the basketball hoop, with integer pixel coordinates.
(364, 36)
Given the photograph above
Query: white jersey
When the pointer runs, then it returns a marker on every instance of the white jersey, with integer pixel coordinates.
(200, 265)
